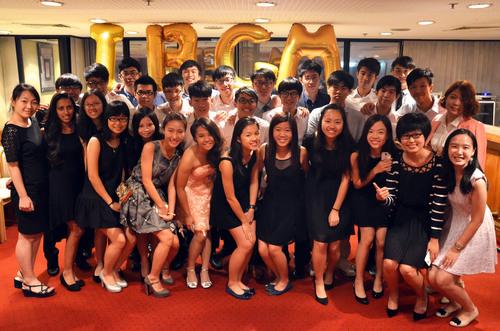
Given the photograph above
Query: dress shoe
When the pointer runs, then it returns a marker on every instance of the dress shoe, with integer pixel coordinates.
(148, 288)
(392, 312)
(419, 316)
(244, 296)
(377, 295)
(273, 291)
(113, 288)
(70, 287)
(216, 261)
(329, 287)
(53, 263)
(323, 301)
(250, 290)
(363, 301)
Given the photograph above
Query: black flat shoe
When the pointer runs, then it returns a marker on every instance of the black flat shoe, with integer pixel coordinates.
(244, 296)
(392, 312)
(216, 262)
(73, 287)
(377, 295)
(80, 282)
(53, 271)
(363, 301)
(275, 292)
(96, 279)
(419, 316)
(250, 290)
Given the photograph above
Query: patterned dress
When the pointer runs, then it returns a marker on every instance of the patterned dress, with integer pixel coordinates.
(199, 193)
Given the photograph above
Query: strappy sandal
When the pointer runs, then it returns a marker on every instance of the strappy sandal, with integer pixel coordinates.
(43, 293)
(191, 284)
(208, 283)
(18, 280)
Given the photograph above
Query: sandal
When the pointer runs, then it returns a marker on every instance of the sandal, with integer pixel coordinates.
(208, 283)
(18, 280)
(191, 284)
(447, 310)
(44, 292)
(463, 322)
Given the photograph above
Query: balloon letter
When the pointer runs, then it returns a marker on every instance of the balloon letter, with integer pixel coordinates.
(154, 50)
(186, 38)
(106, 36)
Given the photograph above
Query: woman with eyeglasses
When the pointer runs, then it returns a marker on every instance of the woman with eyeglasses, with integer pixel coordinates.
(417, 195)
(97, 205)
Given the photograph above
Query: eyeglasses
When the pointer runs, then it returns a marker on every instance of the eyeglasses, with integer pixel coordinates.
(118, 119)
(92, 105)
(292, 94)
(415, 136)
(264, 82)
(95, 83)
(244, 101)
(227, 80)
(145, 93)
(129, 73)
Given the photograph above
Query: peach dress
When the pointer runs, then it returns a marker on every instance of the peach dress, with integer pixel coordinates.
(199, 193)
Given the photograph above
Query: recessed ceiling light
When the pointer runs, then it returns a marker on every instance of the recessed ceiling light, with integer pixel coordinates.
(265, 4)
(5, 32)
(132, 32)
(213, 27)
(376, 56)
(98, 20)
(481, 5)
(400, 29)
(426, 22)
(386, 33)
(262, 20)
(52, 3)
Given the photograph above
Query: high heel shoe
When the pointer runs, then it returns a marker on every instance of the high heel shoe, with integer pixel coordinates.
(73, 287)
(421, 316)
(148, 288)
(191, 284)
(18, 280)
(392, 312)
(363, 301)
(377, 295)
(121, 282)
(43, 293)
(208, 283)
(167, 280)
(113, 288)
(323, 301)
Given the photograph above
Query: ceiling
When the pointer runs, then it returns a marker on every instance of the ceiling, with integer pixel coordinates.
(351, 18)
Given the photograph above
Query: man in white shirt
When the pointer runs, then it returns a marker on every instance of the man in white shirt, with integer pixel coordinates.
(172, 89)
(223, 77)
(97, 77)
(420, 86)
(401, 68)
(367, 72)
(289, 91)
(340, 84)
(246, 104)
(191, 73)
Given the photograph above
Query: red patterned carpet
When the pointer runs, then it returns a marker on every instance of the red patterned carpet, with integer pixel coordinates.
(95, 309)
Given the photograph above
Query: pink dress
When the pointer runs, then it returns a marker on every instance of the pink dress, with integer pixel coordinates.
(479, 255)
(199, 192)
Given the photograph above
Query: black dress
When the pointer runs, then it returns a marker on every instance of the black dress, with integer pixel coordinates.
(321, 188)
(91, 210)
(282, 205)
(66, 180)
(418, 197)
(367, 211)
(24, 145)
(222, 216)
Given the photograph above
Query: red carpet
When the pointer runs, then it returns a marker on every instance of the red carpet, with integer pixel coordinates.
(95, 309)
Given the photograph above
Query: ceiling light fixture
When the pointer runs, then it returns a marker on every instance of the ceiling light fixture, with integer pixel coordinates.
(262, 20)
(98, 20)
(426, 22)
(52, 3)
(386, 33)
(265, 4)
(481, 5)
(132, 32)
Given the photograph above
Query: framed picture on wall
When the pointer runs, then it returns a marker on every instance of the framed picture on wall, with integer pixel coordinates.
(46, 66)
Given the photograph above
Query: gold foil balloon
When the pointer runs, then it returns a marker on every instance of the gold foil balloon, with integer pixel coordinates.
(155, 52)
(224, 50)
(106, 36)
(187, 39)
(300, 43)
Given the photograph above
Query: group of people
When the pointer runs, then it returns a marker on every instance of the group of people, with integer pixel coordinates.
(172, 172)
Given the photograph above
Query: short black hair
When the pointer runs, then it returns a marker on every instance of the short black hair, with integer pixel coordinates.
(20, 88)
(413, 122)
(290, 84)
(146, 80)
(222, 71)
(96, 70)
(246, 90)
(188, 64)
(369, 63)
(309, 65)
(172, 79)
(389, 80)
(129, 62)
(68, 79)
(200, 89)
(267, 74)
(403, 61)
(340, 77)
(418, 73)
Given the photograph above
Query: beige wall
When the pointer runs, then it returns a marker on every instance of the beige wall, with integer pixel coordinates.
(476, 61)
(8, 75)
(78, 57)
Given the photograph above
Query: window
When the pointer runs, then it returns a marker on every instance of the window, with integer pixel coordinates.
(384, 52)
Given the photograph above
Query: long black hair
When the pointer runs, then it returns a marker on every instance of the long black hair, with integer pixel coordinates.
(213, 155)
(343, 143)
(53, 128)
(175, 116)
(364, 148)
(136, 121)
(114, 108)
(86, 127)
(271, 146)
(449, 169)
(236, 151)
